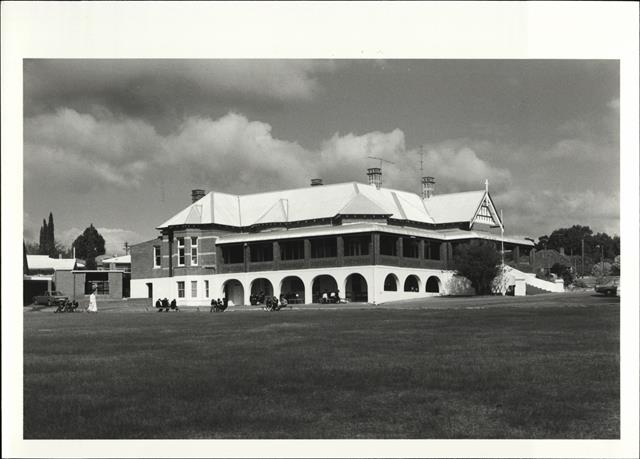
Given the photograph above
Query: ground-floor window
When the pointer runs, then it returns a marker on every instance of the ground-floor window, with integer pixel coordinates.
(180, 289)
(98, 281)
(194, 289)
(206, 289)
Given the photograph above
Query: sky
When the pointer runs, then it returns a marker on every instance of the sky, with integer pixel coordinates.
(121, 143)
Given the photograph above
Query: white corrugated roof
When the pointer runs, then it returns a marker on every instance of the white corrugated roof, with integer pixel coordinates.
(318, 202)
(120, 259)
(44, 262)
(454, 207)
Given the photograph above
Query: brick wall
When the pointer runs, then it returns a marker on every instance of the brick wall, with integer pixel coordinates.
(142, 260)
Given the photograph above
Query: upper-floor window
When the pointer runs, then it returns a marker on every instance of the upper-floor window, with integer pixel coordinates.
(323, 247)
(292, 250)
(410, 248)
(388, 245)
(180, 289)
(356, 245)
(233, 254)
(180, 251)
(261, 251)
(194, 251)
(157, 256)
(432, 250)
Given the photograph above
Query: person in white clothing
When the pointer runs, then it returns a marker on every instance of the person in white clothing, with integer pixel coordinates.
(93, 305)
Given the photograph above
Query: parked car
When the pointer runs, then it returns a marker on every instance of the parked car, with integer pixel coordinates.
(50, 298)
(610, 287)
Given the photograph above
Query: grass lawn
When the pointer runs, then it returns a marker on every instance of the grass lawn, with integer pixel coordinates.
(499, 372)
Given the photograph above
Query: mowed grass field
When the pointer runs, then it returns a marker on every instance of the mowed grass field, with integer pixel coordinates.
(544, 371)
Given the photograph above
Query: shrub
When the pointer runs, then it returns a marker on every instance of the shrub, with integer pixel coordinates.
(478, 261)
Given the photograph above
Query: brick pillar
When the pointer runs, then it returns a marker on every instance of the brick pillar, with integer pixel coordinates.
(421, 255)
(340, 250)
(532, 257)
(276, 255)
(375, 248)
(399, 247)
(247, 256)
(516, 255)
(307, 253)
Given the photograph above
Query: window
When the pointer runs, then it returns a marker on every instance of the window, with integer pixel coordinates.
(181, 289)
(323, 248)
(206, 289)
(157, 256)
(262, 252)
(194, 251)
(388, 245)
(356, 245)
(432, 250)
(410, 248)
(194, 289)
(292, 250)
(233, 254)
(180, 251)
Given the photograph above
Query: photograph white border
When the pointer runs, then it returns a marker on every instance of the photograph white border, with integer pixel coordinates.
(368, 30)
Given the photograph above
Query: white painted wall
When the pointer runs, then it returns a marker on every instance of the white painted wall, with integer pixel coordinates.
(374, 276)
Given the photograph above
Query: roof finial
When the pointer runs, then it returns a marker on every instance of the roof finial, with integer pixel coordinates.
(486, 185)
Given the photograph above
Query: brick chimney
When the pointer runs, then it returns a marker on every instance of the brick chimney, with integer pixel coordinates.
(196, 195)
(428, 187)
(316, 182)
(375, 176)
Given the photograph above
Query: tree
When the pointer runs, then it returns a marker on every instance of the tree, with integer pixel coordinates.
(32, 248)
(51, 240)
(44, 241)
(478, 261)
(89, 245)
(47, 244)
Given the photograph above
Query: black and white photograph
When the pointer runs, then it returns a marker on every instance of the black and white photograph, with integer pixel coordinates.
(325, 247)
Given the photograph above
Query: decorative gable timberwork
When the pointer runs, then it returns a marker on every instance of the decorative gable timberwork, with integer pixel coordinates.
(486, 213)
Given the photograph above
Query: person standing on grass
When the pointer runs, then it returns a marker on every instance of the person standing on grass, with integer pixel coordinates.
(93, 305)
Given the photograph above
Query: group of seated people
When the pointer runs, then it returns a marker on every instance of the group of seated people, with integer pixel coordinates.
(219, 305)
(164, 305)
(330, 297)
(67, 306)
(271, 303)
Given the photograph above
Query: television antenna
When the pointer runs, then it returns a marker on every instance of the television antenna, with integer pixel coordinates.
(381, 160)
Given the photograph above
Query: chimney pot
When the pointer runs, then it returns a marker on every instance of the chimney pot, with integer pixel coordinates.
(316, 182)
(428, 187)
(196, 195)
(375, 176)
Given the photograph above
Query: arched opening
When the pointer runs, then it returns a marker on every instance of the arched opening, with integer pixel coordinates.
(260, 288)
(322, 287)
(412, 284)
(292, 288)
(433, 285)
(356, 288)
(391, 283)
(234, 292)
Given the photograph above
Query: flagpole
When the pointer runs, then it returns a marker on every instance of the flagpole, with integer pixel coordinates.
(502, 236)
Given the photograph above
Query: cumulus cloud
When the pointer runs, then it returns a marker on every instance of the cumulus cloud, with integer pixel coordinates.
(84, 151)
(457, 167)
(114, 238)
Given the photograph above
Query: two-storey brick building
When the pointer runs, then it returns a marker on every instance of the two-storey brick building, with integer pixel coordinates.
(368, 242)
